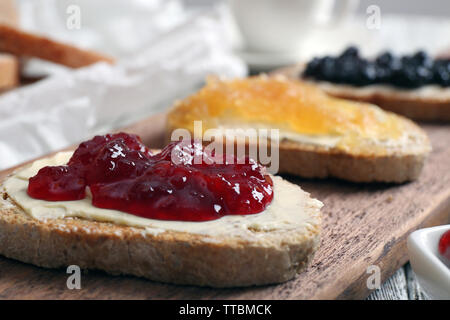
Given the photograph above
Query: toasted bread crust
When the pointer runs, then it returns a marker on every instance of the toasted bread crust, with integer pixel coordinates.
(299, 160)
(397, 165)
(413, 107)
(173, 257)
(21, 43)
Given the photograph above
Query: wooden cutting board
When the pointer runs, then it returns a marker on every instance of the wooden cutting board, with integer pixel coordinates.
(363, 225)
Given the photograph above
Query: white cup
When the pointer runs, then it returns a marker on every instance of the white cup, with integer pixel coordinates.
(281, 26)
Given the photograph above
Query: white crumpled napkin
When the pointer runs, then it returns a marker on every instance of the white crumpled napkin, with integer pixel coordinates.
(72, 105)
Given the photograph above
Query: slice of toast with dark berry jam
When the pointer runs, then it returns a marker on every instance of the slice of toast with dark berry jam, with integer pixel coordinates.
(415, 86)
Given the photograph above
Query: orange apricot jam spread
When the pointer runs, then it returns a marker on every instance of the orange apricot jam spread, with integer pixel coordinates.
(289, 105)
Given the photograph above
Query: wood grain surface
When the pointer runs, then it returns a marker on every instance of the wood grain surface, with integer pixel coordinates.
(402, 285)
(363, 225)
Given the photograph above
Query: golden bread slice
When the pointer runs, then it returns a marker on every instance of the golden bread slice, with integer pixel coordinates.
(320, 136)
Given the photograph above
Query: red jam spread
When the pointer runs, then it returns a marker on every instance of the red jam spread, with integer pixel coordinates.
(444, 246)
(122, 174)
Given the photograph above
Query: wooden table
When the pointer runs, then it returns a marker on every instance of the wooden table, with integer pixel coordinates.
(403, 285)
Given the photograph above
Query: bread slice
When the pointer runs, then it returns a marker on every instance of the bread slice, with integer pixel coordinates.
(9, 71)
(243, 254)
(369, 160)
(21, 43)
(9, 64)
(8, 13)
(400, 164)
(429, 103)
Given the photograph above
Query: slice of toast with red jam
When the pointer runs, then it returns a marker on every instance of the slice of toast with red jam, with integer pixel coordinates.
(256, 229)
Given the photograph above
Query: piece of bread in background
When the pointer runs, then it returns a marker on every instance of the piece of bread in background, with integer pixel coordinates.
(9, 71)
(428, 103)
(8, 13)
(9, 64)
(25, 44)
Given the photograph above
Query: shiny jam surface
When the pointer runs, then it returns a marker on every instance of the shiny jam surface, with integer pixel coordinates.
(181, 182)
(286, 104)
(444, 246)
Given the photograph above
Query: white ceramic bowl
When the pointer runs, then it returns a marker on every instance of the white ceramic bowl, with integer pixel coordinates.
(432, 273)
